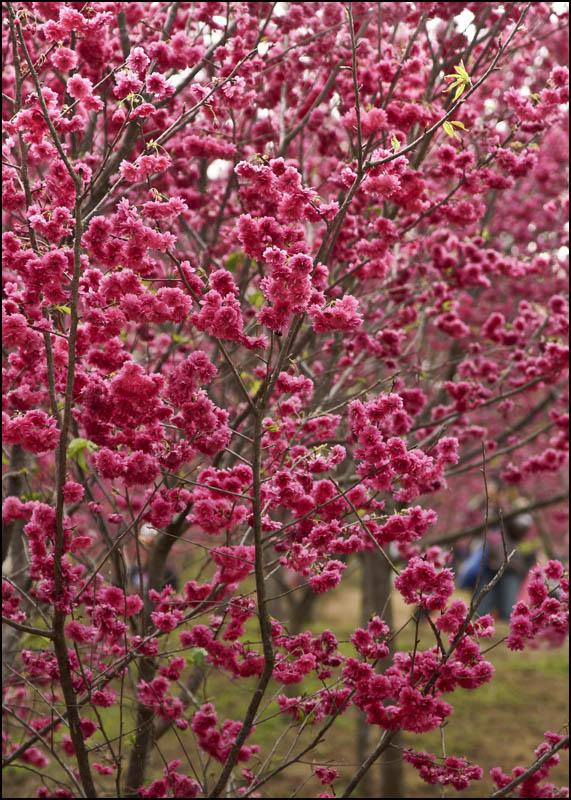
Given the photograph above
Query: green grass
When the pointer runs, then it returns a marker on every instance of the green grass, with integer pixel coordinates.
(499, 724)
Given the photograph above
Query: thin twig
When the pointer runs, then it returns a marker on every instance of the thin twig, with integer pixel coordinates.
(531, 770)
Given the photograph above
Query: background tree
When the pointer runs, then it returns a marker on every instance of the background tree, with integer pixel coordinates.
(281, 280)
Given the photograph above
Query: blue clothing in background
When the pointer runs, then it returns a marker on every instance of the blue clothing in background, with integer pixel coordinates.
(503, 596)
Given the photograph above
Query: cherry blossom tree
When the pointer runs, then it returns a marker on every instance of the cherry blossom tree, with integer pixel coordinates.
(281, 281)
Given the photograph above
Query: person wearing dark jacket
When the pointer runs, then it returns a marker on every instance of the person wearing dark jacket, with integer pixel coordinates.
(503, 596)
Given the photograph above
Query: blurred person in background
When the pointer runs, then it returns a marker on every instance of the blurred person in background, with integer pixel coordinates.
(504, 595)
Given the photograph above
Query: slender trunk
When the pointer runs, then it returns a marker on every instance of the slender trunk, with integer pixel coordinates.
(301, 612)
(14, 488)
(264, 617)
(392, 783)
(14, 553)
(139, 757)
(376, 588)
(275, 603)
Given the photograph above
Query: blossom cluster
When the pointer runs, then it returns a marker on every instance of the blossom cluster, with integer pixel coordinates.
(452, 771)
(544, 615)
(378, 426)
(532, 785)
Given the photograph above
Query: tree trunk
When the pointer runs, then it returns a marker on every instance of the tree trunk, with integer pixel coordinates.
(301, 609)
(376, 587)
(14, 559)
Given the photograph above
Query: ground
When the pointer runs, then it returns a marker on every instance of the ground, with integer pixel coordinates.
(499, 724)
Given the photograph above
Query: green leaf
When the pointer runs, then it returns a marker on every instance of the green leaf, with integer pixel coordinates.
(460, 79)
(412, 326)
(33, 642)
(65, 309)
(233, 260)
(395, 143)
(76, 446)
(459, 92)
(461, 70)
(458, 124)
(197, 656)
(76, 449)
(450, 130)
(256, 298)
